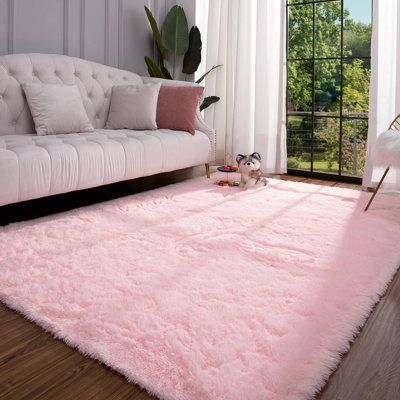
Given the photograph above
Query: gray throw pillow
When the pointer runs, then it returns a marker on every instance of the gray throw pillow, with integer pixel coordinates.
(133, 107)
(56, 109)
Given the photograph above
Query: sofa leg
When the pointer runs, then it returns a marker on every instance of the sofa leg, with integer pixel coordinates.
(207, 165)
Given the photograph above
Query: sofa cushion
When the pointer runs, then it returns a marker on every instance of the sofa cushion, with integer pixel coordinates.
(177, 107)
(34, 166)
(56, 108)
(133, 106)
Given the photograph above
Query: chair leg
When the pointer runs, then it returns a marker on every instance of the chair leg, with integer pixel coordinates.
(377, 188)
(207, 165)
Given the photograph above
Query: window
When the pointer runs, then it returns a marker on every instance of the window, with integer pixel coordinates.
(328, 72)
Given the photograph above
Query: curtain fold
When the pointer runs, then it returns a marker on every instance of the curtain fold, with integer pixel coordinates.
(385, 84)
(249, 39)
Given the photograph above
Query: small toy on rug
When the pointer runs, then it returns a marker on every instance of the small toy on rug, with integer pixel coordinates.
(226, 183)
(250, 172)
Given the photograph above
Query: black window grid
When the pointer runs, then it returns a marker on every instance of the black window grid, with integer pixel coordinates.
(342, 59)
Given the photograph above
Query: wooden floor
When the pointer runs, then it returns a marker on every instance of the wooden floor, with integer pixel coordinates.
(33, 365)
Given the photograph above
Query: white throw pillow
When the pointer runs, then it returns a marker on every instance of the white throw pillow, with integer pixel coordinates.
(134, 107)
(56, 109)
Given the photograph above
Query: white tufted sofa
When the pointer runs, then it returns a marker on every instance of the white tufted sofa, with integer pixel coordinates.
(34, 166)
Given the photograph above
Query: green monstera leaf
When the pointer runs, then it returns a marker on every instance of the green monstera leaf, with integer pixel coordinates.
(175, 33)
(192, 58)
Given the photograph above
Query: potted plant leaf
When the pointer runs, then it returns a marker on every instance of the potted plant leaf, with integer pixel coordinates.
(175, 40)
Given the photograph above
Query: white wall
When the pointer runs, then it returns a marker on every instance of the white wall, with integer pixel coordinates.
(112, 32)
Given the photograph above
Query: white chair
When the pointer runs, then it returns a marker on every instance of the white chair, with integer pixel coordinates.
(386, 152)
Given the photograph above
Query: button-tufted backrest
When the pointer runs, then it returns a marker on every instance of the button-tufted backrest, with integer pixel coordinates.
(94, 81)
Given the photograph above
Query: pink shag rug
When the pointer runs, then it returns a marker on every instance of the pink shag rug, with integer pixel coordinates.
(199, 292)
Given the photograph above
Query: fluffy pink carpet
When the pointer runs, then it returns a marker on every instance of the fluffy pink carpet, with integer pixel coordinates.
(199, 292)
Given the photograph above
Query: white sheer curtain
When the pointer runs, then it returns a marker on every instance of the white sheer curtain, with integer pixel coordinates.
(385, 83)
(248, 37)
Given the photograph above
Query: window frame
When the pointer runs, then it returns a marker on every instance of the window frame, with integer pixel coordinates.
(342, 59)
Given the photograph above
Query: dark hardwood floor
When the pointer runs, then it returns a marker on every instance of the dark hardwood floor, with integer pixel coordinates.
(371, 369)
(33, 365)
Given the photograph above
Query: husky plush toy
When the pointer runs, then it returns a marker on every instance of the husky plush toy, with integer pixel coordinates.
(249, 168)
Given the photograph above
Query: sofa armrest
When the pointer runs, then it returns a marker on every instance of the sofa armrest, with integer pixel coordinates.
(200, 124)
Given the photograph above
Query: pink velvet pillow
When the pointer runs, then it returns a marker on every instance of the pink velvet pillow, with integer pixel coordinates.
(177, 107)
